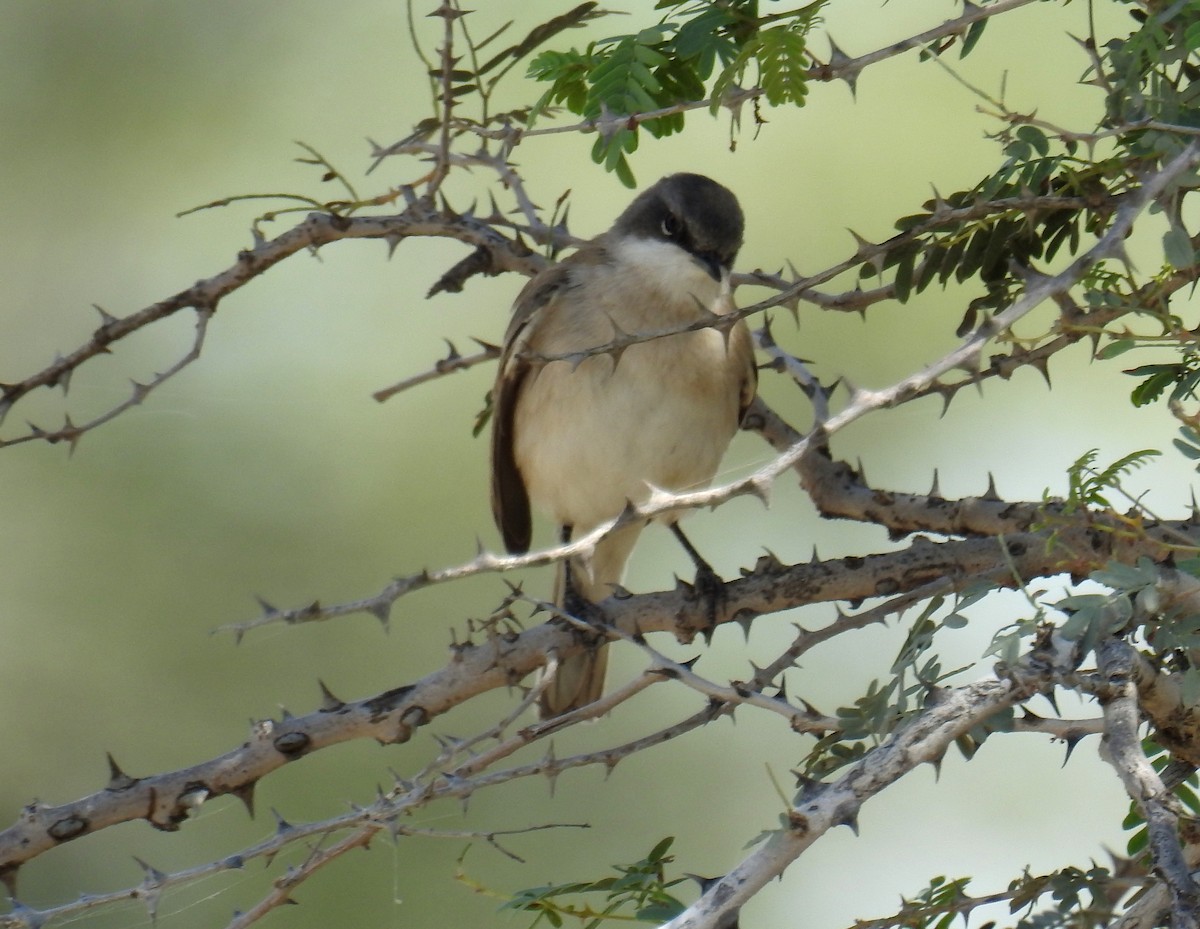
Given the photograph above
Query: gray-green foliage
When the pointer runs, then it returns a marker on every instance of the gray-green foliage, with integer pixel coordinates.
(696, 51)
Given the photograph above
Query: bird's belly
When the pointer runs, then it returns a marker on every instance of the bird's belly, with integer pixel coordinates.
(593, 438)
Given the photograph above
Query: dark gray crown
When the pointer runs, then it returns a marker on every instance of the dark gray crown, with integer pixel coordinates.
(694, 212)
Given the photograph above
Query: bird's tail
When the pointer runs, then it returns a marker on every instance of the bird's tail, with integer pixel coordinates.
(580, 677)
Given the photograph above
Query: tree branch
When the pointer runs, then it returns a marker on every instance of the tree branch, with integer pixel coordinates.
(820, 807)
(1122, 748)
(318, 230)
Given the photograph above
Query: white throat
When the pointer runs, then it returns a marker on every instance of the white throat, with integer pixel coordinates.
(666, 267)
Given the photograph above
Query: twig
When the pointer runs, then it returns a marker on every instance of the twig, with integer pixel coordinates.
(841, 69)
(204, 296)
(820, 807)
(1159, 807)
(449, 13)
(451, 363)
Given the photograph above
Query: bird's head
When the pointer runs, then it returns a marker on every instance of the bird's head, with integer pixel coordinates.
(692, 212)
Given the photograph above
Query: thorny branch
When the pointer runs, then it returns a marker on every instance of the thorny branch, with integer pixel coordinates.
(821, 807)
(800, 448)
(1161, 809)
(448, 365)
(318, 230)
(1004, 543)
(166, 800)
(419, 219)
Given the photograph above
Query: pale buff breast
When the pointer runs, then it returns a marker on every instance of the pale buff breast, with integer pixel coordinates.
(591, 437)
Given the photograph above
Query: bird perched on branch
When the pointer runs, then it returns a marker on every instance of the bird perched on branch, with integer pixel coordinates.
(581, 436)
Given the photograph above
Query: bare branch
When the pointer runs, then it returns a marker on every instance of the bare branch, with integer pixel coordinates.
(848, 69)
(821, 807)
(318, 230)
(1161, 809)
(451, 363)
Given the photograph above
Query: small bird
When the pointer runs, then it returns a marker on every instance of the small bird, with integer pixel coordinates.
(579, 438)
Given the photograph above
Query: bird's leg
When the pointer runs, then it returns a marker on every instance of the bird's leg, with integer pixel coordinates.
(573, 602)
(708, 584)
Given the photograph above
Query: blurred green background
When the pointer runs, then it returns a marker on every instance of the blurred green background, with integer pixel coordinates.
(267, 469)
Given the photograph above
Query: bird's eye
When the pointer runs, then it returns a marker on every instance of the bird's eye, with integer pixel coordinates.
(670, 226)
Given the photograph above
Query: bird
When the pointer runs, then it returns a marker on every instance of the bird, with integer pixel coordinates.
(579, 433)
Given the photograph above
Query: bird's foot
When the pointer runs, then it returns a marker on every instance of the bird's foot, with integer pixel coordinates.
(708, 586)
(581, 609)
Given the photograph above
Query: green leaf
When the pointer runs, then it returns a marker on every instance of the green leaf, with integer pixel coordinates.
(610, 152)
(1113, 349)
(1018, 150)
(930, 266)
(1177, 247)
(1189, 690)
(1152, 388)
(702, 40)
(904, 276)
(1066, 234)
(1191, 37)
(1138, 843)
(660, 850)
(950, 263)
(567, 74)
(621, 80)
(1034, 137)
(995, 252)
(974, 34)
(732, 74)
(1122, 576)
(1187, 449)
(973, 255)
(783, 64)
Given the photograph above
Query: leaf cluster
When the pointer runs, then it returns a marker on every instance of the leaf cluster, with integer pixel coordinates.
(1160, 57)
(672, 63)
(1082, 899)
(878, 712)
(1131, 606)
(1088, 485)
(1029, 210)
(1181, 376)
(637, 891)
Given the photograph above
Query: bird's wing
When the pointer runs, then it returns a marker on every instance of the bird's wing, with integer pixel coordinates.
(510, 498)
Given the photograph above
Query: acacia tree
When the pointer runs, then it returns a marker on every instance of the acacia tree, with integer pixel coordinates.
(1048, 227)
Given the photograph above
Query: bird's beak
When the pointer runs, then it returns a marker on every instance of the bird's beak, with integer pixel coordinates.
(712, 264)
